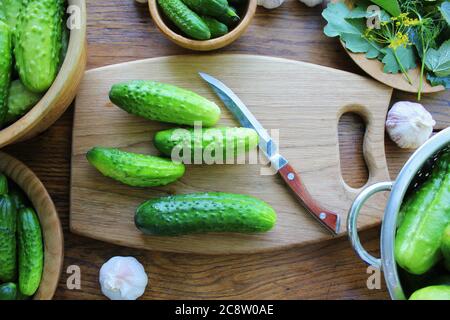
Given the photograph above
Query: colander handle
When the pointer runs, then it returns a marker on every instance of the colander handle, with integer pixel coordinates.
(352, 221)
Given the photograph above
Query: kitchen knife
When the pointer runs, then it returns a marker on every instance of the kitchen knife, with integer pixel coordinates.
(328, 219)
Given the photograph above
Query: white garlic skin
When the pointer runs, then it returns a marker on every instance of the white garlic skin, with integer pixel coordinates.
(123, 278)
(409, 124)
(270, 4)
(311, 3)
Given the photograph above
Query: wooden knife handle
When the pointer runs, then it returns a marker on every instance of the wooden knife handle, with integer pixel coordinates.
(327, 218)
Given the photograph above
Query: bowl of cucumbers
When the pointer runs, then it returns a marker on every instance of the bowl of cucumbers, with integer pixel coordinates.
(415, 233)
(42, 61)
(202, 25)
(31, 238)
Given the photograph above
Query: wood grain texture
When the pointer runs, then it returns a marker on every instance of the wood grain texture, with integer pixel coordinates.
(48, 217)
(328, 270)
(60, 95)
(307, 125)
(207, 45)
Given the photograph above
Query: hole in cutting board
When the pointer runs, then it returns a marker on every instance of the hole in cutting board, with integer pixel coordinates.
(351, 138)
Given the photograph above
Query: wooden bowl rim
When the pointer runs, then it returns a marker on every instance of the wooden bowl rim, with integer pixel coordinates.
(374, 68)
(38, 195)
(74, 54)
(203, 45)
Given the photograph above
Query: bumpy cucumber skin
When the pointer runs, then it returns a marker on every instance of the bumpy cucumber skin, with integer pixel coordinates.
(204, 212)
(8, 291)
(31, 251)
(207, 140)
(133, 169)
(20, 101)
(216, 27)
(18, 197)
(38, 44)
(5, 67)
(213, 8)
(432, 293)
(445, 247)
(8, 221)
(185, 19)
(164, 102)
(3, 185)
(418, 240)
(11, 10)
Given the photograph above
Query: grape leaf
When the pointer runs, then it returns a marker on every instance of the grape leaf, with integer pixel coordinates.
(390, 6)
(445, 11)
(405, 55)
(436, 81)
(438, 61)
(350, 31)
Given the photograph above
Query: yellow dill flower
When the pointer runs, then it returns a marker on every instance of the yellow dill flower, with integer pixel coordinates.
(400, 39)
(411, 22)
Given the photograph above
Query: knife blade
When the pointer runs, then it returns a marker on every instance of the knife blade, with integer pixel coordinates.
(327, 218)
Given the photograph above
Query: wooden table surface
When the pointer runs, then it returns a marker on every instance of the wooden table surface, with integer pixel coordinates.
(120, 31)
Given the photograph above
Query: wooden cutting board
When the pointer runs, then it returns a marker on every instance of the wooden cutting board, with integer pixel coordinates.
(303, 101)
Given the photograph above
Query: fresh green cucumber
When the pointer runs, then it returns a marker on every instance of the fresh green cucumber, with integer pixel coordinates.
(204, 212)
(228, 20)
(164, 102)
(185, 19)
(432, 293)
(418, 240)
(213, 8)
(38, 44)
(11, 10)
(5, 68)
(133, 169)
(20, 101)
(8, 219)
(18, 197)
(216, 27)
(65, 39)
(209, 145)
(445, 247)
(8, 291)
(31, 251)
(3, 185)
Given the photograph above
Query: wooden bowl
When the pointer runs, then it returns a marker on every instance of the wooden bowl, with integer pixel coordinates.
(61, 94)
(48, 217)
(374, 68)
(202, 45)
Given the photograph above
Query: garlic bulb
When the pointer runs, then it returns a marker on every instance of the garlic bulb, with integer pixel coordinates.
(270, 4)
(409, 125)
(311, 3)
(123, 278)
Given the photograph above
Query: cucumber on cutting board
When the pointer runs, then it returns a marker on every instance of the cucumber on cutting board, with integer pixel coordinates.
(134, 169)
(164, 102)
(209, 145)
(30, 251)
(419, 236)
(204, 212)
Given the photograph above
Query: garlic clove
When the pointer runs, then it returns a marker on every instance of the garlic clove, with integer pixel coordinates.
(270, 4)
(311, 3)
(123, 278)
(409, 124)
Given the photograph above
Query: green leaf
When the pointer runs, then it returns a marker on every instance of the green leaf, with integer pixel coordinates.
(350, 31)
(436, 81)
(445, 11)
(438, 61)
(406, 57)
(390, 6)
